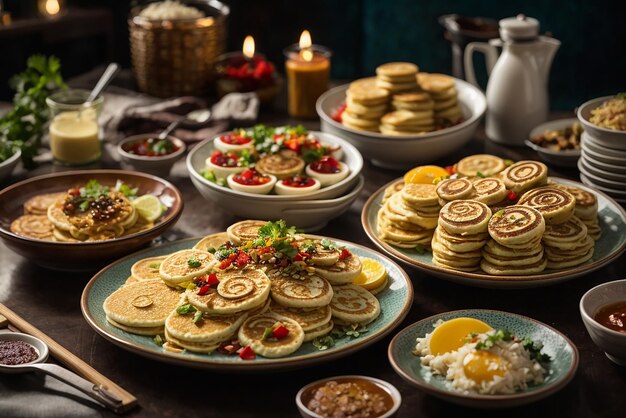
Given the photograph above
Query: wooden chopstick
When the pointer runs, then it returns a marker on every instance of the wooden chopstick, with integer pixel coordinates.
(70, 360)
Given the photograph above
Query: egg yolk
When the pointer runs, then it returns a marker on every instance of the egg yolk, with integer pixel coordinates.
(424, 174)
(483, 366)
(451, 335)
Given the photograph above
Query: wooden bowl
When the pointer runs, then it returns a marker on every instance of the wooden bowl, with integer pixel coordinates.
(83, 256)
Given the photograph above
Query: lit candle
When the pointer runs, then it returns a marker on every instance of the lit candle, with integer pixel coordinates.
(308, 71)
(49, 8)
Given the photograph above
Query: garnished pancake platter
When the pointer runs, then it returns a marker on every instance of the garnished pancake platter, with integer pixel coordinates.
(260, 296)
(490, 222)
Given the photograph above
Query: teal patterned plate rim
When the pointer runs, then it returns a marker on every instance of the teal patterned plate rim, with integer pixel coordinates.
(561, 349)
(611, 245)
(395, 303)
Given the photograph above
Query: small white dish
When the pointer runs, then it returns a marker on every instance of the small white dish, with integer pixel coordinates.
(7, 166)
(566, 158)
(253, 189)
(327, 179)
(603, 136)
(282, 189)
(223, 146)
(221, 172)
(159, 166)
(613, 343)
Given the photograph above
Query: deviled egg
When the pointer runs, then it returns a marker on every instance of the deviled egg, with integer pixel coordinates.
(223, 164)
(234, 142)
(297, 185)
(285, 163)
(327, 170)
(251, 181)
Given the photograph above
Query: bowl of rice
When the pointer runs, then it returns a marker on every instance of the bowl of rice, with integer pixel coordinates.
(604, 119)
(508, 360)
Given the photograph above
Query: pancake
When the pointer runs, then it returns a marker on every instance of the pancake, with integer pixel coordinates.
(435, 83)
(184, 265)
(594, 230)
(283, 164)
(441, 249)
(33, 226)
(397, 205)
(401, 227)
(516, 225)
(319, 331)
(148, 331)
(420, 195)
(140, 225)
(324, 256)
(212, 329)
(342, 272)
(464, 217)
(580, 248)
(38, 205)
(253, 329)
(490, 191)
(565, 235)
(212, 242)
(495, 249)
(395, 70)
(380, 288)
(460, 243)
(456, 263)
(58, 218)
(586, 202)
(513, 270)
(351, 304)
(525, 175)
(480, 164)
(143, 304)
(387, 230)
(195, 347)
(147, 269)
(98, 229)
(455, 189)
(237, 291)
(310, 291)
(244, 231)
(63, 236)
(571, 261)
(444, 264)
(391, 190)
(365, 91)
(556, 205)
(514, 261)
(309, 319)
(132, 218)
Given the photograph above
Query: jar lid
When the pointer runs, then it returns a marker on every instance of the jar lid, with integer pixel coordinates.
(519, 28)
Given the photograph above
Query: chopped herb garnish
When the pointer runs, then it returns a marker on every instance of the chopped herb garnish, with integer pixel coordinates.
(267, 333)
(158, 340)
(307, 246)
(534, 349)
(328, 244)
(498, 214)
(479, 174)
(125, 189)
(276, 230)
(211, 250)
(193, 262)
(197, 317)
(155, 265)
(324, 343)
(499, 335)
(185, 309)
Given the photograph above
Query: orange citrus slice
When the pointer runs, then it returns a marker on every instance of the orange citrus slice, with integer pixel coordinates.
(373, 274)
(425, 174)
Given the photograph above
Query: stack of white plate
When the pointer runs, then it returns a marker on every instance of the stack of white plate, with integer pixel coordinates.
(603, 160)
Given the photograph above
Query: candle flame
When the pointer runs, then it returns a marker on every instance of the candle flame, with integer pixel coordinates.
(305, 40)
(248, 47)
(307, 55)
(52, 7)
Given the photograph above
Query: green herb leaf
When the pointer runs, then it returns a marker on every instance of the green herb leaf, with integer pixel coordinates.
(534, 349)
(154, 265)
(193, 262)
(499, 335)
(308, 246)
(324, 343)
(185, 309)
(479, 174)
(197, 317)
(498, 214)
(328, 244)
(276, 230)
(267, 333)
(209, 175)
(158, 340)
(125, 189)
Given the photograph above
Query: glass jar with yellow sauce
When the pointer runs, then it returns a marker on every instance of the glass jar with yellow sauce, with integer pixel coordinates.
(74, 129)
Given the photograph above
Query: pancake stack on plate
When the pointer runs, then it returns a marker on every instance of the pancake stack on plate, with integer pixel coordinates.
(397, 77)
(407, 122)
(586, 209)
(555, 204)
(480, 165)
(515, 247)
(525, 175)
(491, 191)
(366, 103)
(243, 231)
(567, 244)
(460, 235)
(408, 217)
(442, 90)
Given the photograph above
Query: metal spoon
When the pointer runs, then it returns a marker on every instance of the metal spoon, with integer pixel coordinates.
(194, 117)
(97, 392)
(104, 81)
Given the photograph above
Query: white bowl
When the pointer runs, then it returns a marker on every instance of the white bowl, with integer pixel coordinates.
(309, 215)
(566, 158)
(386, 386)
(352, 158)
(613, 343)
(7, 166)
(159, 166)
(603, 136)
(407, 151)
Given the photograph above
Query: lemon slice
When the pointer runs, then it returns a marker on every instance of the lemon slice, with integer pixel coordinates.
(149, 207)
(424, 174)
(373, 274)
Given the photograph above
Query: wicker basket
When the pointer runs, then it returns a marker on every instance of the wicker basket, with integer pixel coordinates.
(177, 57)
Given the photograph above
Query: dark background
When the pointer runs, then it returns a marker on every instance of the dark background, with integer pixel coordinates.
(365, 33)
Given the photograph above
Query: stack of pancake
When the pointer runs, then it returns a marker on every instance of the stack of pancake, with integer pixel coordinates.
(525, 175)
(586, 209)
(243, 231)
(365, 105)
(460, 235)
(408, 217)
(442, 90)
(397, 77)
(407, 122)
(515, 247)
(567, 244)
(480, 165)
(555, 204)
(491, 191)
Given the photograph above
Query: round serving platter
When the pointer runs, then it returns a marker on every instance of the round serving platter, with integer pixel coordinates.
(561, 369)
(395, 302)
(611, 245)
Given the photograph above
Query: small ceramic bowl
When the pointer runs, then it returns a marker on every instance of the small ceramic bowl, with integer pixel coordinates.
(306, 393)
(158, 166)
(566, 158)
(40, 347)
(607, 137)
(7, 166)
(613, 343)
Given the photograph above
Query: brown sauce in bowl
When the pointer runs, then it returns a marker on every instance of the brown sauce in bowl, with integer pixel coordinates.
(343, 398)
(613, 316)
(13, 353)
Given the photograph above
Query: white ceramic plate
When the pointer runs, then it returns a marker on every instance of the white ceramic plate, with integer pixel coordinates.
(600, 179)
(608, 175)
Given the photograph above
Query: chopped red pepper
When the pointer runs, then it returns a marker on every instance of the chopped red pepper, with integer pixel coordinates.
(242, 259)
(247, 353)
(345, 254)
(74, 192)
(512, 196)
(204, 290)
(451, 169)
(227, 262)
(337, 114)
(301, 256)
(212, 279)
(280, 332)
(292, 144)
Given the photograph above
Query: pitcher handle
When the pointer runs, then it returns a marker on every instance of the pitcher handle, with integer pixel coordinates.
(491, 56)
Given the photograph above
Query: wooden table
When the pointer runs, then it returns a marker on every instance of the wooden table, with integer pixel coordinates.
(50, 301)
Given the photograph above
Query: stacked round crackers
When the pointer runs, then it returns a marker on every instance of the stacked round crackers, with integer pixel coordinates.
(442, 90)
(397, 77)
(409, 216)
(460, 235)
(586, 209)
(491, 190)
(366, 103)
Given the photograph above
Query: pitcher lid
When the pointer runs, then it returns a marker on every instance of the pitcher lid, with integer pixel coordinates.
(519, 28)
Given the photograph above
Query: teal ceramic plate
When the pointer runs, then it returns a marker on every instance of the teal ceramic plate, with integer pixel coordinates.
(611, 245)
(395, 303)
(561, 369)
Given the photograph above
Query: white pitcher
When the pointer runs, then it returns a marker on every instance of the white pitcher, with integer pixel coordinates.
(517, 90)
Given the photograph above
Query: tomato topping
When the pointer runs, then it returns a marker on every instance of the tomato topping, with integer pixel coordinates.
(251, 177)
(292, 144)
(298, 181)
(151, 147)
(512, 196)
(345, 254)
(326, 165)
(280, 332)
(247, 353)
(224, 160)
(450, 169)
(235, 139)
(228, 261)
(212, 279)
(337, 114)
(74, 192)
(204, 290)
(301, 256)
(242, 259)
